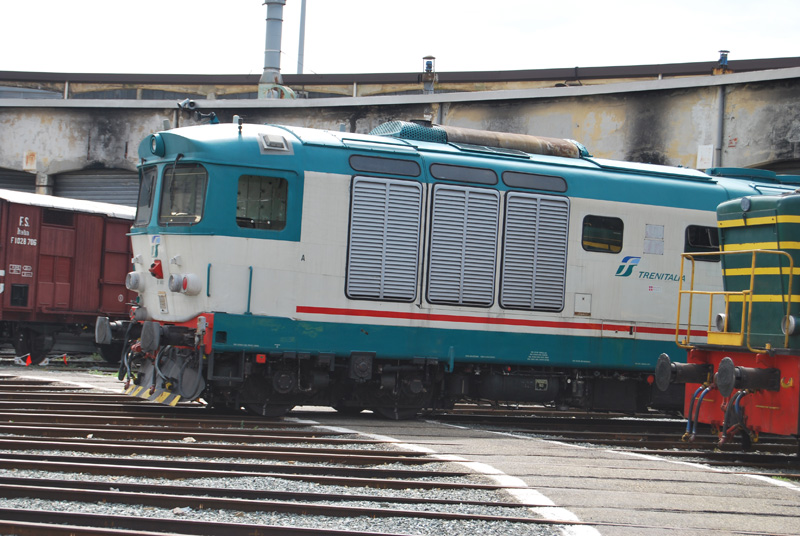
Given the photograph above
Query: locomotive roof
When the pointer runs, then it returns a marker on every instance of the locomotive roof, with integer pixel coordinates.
(66, 203)
(232, 143)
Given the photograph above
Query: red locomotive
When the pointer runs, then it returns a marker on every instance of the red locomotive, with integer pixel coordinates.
(62, 263)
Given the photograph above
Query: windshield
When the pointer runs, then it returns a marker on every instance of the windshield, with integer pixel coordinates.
(144, 206)
(183, 194)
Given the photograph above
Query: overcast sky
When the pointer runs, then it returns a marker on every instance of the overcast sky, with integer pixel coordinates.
(386, 36)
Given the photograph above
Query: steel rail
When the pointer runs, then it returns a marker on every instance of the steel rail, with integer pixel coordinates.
(243, 505)
(376, 478)
(254, 436)
(241, 493)
(209, 420)
(173, 526)
(660, 445)
(286, 468)
(38, 524)
(24, 528)
(130, 407)
(59, 396)
(299, 454)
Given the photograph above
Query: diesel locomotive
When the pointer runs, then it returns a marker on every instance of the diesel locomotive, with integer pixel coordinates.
(743, 377)
(406, 269)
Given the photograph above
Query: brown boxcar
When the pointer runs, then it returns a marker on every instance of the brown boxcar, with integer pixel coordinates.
(63, 262)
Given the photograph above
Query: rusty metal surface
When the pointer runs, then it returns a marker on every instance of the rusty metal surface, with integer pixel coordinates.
(519, 142)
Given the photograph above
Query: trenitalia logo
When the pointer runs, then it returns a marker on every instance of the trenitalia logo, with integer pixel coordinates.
(626, 268)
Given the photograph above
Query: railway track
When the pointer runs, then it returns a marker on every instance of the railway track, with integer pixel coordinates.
(111, 464)
(114, 465)
(771, 456)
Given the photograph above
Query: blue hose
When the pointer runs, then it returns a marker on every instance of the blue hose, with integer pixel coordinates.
(691, 409)
(739, 396)
(697, 412)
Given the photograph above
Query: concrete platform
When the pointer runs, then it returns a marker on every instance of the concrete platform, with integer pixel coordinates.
(652, 495)
(626, 494)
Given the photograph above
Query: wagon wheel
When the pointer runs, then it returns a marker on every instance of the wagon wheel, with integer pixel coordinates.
(29, 341)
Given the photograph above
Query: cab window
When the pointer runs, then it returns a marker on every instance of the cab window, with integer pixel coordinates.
(261, 202)
(144, 205)
(602, 233)
(701, 239)
(183, 195)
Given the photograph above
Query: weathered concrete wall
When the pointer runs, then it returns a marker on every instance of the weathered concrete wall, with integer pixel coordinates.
(661, 122)
(50, 141)
(762, 122)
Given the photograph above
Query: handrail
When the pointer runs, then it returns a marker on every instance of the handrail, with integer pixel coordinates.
(748, 297)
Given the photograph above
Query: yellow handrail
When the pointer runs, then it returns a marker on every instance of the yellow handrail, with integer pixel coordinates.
(747, 295)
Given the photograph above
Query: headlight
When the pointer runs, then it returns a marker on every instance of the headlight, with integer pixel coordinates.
(157, 146)
(135, 281)
(720, 322)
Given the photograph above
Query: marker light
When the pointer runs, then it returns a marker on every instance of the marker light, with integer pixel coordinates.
(188, 284)
(175, 283)
(789, 325)
(191, 285)
(135, 281)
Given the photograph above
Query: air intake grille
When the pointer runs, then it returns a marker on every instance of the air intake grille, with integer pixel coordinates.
(410, 131)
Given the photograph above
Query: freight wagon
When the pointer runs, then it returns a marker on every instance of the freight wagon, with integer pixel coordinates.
(63, 262)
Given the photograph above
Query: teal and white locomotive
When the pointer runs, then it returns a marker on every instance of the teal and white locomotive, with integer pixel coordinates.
(411, 268)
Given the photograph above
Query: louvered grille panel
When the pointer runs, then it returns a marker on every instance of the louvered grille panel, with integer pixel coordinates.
(535, 252)
(463, 246)
(384, 239)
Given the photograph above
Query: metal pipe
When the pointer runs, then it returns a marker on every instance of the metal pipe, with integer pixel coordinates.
(272, 49)
(720, 126)
(208, 281)
(249, 290)
(302, 44)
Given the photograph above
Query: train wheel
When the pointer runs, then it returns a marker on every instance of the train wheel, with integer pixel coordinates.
(402, 397)
(28, 341)
(257, 398)
(396, 413)
(268, 410)
(348, 410)
(111, 353)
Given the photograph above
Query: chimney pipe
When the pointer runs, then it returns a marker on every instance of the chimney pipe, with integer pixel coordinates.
(272, 50)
